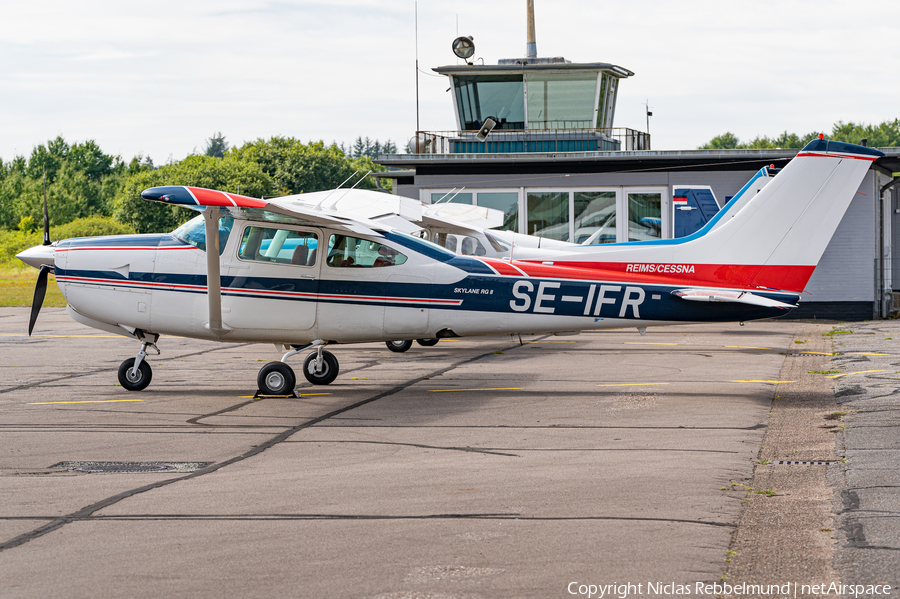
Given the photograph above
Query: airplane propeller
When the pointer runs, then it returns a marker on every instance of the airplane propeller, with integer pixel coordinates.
(40, 290)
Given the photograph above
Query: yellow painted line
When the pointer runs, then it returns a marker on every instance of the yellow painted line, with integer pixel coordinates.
(549, 342)
(817, 353)
(746, 347)
(88, 336)
(47, 403)
(761, 381)
(492, 389)
(860, 353)
(301, 395)
(640, 343)
(837, 376)
(630, 384)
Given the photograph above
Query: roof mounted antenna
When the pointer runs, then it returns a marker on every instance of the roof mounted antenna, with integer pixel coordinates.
(450, 199)
(441, 199)
(322, 201)
(531, 45)
(351, 189)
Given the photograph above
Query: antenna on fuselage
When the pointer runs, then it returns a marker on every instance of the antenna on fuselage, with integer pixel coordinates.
(450, 199)
(351, 189)
(322, 201)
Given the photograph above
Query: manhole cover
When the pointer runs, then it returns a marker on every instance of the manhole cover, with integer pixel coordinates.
(802, 463)
(130, 467)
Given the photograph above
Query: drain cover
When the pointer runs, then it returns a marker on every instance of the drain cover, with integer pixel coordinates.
(803, 463)
(131, 467)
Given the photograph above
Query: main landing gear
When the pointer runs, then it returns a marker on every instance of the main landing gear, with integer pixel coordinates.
(402, 346)
(320, 368)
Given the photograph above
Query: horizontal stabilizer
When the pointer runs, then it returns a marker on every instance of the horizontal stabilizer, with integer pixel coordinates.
(722, 295)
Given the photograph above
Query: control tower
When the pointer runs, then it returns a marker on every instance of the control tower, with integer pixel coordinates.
(531, 104)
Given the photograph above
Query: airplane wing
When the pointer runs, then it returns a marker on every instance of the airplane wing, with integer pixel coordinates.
(462, 217)
(242, 207)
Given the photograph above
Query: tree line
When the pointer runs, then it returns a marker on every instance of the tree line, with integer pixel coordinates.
(82, 181)
(884, 135)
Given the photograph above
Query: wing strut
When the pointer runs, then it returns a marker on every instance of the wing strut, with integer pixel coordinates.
(213, 272)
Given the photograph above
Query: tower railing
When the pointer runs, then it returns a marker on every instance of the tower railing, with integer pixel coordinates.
(513, 141)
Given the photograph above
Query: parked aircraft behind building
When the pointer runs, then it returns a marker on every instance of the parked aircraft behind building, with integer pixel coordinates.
(303, 275)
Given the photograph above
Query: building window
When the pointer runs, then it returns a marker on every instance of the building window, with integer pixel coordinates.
(644, 216)
(561, 100)
(506, 202)
(451, 197)
(499, 97)
(598, 215)
(595, 211)
(548, 214)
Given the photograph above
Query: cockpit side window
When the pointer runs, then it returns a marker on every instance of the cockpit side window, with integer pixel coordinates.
(194, 232)
(350, 252)
(281, 246)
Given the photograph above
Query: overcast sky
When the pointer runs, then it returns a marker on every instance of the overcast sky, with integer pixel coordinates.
(159, 78)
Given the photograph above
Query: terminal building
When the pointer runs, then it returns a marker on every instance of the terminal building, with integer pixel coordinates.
(535, 138)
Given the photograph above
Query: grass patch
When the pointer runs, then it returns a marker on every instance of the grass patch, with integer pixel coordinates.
(836, 415)
(17, 288)
(824, 371)
(834, 332)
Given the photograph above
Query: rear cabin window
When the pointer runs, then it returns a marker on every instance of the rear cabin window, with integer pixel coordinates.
(350, 252)
(281, 246)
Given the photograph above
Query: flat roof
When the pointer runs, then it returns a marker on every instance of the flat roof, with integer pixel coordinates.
(498, 69)
(638, 161)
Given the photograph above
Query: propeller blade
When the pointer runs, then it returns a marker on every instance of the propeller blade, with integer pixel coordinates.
(46, 214)
(40, 290)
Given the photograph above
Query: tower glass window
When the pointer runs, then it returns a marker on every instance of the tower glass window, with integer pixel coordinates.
(498, 96)
(561, 100)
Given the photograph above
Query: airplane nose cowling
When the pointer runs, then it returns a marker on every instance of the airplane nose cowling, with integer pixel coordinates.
(39, 255)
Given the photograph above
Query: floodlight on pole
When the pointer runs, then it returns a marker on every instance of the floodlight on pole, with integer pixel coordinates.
(464, 47)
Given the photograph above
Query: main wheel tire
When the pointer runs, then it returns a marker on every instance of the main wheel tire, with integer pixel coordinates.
(398, 346)
(140, 380)
(427, 342)
(276, 378)
(329, 368)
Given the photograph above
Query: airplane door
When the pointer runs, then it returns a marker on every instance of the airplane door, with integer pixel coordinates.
(271, 280)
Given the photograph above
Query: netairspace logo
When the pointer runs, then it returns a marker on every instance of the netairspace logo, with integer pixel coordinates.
(791, 589)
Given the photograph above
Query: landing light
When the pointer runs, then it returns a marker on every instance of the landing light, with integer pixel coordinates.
(464, 47)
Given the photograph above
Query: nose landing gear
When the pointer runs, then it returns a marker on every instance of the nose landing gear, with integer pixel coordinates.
(134, 373)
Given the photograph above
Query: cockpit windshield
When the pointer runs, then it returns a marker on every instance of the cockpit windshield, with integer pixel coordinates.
(194, 232)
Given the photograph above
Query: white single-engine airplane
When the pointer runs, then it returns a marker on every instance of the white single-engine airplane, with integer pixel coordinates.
(299, 273)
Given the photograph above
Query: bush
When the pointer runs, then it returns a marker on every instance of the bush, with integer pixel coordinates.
(13, 242)
(91, 226)
(227, 174)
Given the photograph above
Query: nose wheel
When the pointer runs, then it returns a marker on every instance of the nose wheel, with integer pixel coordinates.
(135, 373)
(134, 379)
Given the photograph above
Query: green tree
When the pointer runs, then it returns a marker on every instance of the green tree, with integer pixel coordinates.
(296, 167)
(884, 135)
(216, 146)
(726, 141)
(231, 173)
